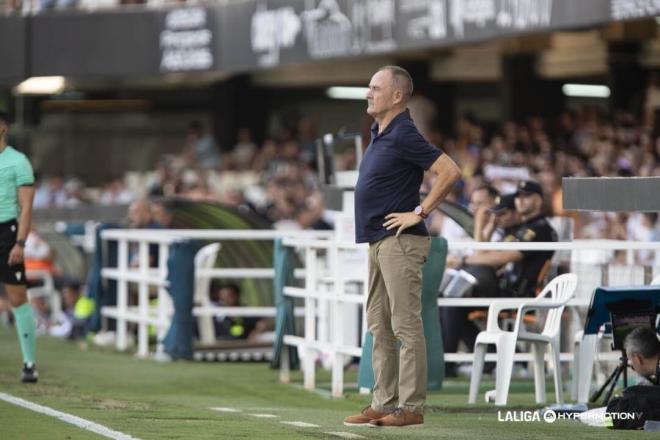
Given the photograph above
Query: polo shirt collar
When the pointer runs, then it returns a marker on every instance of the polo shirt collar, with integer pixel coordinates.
(404, 115)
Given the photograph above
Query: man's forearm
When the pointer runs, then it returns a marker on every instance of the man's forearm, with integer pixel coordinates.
(494, 259)
(25, 198)
(24, 221)
(443, 184)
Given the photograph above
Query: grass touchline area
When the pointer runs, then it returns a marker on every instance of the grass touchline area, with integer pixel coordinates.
(149, 400)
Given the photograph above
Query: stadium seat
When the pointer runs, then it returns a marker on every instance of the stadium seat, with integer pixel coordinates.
(553, 298)
(205, 259)
(45, 290)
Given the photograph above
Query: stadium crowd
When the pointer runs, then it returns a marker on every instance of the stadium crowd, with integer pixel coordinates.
(278, 179)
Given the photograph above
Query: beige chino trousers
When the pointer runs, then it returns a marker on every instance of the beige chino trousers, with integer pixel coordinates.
(394, 314)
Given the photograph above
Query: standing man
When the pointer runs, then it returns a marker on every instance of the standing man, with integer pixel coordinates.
(16, 194)
(389, 216)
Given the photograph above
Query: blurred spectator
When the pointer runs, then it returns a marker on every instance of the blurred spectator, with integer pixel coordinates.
(76, 309)
(643, 226)
(196, 187)
(59, 4)
(482, 200)
(74, 191)
(580, 142)
(234, 327)
(200, 149)
(116, 193)
(307, 139)
(167, 182)
(51, 193)
(161, 215)
(38, 254)
(423, 112)
(139, 215)
(266, 156)
(244, 150)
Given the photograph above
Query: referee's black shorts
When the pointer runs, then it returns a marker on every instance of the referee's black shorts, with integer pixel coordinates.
(15, 273)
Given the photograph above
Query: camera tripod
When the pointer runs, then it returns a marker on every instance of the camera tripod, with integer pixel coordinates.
(613, 379)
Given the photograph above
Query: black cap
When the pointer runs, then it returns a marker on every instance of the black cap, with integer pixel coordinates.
(502, 203)
(529, 187)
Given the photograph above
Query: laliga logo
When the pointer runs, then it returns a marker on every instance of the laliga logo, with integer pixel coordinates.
(550, 416)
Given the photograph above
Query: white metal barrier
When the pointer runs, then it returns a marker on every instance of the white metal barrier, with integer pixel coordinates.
(335, 281)
(146, 278)
(325, 292)
(325, 296)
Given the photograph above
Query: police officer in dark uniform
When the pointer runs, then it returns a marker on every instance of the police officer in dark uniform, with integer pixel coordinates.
(523, 280)
(520, 280)
(456, 326)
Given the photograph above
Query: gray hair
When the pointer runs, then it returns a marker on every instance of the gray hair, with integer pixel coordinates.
(401, 79)
(642, 340)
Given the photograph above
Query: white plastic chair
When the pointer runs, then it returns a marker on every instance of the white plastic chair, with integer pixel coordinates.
(558, 292)
(46, 290)
(656, 280)
(205, 259)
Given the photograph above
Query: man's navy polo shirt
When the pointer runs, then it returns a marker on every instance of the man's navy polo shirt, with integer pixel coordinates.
(390, 176)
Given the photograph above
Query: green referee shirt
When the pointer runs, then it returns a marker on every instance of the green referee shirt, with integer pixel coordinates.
(15, 171)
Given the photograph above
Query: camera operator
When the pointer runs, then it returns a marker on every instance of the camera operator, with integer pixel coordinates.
(643, 351)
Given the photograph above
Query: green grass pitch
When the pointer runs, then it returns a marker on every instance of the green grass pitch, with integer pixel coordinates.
(171, 401)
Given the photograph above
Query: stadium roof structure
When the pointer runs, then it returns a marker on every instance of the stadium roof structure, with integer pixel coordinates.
(252, 35)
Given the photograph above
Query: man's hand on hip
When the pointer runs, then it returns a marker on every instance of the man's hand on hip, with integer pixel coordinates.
(401, 220)
(16, 255)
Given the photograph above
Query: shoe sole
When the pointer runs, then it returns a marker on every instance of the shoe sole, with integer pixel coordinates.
(416, 425)
(356, 424)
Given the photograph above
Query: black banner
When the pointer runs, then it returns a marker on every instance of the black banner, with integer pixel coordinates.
(186, 40)
(124, 43)
(105, 44)
(12, 49)
(271, 32)
(248, 35)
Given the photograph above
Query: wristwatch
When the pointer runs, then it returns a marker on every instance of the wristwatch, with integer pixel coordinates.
(420, 211)
(20, 243)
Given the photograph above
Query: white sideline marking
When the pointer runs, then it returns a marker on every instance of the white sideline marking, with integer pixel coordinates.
(301, 424)
(228, 410)
(67, 418)
(345, 434)
(263, 416)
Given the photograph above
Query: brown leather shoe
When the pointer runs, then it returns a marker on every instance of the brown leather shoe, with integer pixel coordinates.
(366, 415)
(399, 419)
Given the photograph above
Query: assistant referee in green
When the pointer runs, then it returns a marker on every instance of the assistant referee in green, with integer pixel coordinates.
(16, 194)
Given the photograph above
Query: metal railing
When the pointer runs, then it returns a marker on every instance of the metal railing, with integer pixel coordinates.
(146, 278)
(334, 291)
(325, 295)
